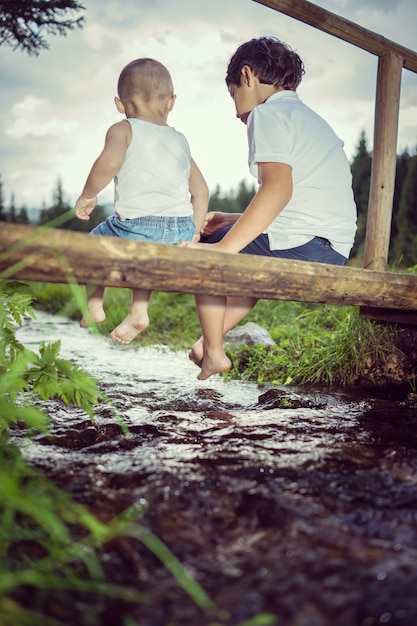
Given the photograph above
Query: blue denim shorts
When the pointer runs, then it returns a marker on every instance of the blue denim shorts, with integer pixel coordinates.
(317, 249)
(152, 229)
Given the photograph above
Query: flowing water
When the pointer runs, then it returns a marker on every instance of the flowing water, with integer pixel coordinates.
(298, 502)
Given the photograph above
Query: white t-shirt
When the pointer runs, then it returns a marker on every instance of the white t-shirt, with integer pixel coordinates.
(153, 179)
(284, 130)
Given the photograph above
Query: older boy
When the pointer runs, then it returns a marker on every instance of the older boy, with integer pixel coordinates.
(304, 208)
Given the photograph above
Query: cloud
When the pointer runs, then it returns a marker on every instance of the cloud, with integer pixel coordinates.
(33, 117)
(57, 107)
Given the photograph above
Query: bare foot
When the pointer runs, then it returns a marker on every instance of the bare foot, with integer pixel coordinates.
(210, 366)
(95, 313)
(129, 329)
(196, 353)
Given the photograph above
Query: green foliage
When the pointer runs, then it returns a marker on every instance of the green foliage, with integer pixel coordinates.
(48, 542)
(232, 202)
(264, 619)
(324, 344)
(361, 180)
(173, 316)
(23, 23)
(402, 166)
(316, 343)
(405, 243)
(46, 374)
(55, 298)
(52, 376)
(15, 306)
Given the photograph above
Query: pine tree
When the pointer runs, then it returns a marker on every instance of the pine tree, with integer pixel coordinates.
(403, 162)
(405, 243)
(244, 195)
(215, 200)
(225, 203)
(361, 180)
(3, 216)
(59, 206)
(23, 217)
(12, 216)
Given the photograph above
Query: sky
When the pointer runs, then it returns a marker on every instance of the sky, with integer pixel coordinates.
(57, 107)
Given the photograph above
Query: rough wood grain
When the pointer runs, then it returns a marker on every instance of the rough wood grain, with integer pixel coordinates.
(342, 28)
(384, 160)
(58, 256)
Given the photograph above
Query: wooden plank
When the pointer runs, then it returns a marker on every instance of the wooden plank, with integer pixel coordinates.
(393, 316)
(57, 256)
(384, 159)
(342, 28)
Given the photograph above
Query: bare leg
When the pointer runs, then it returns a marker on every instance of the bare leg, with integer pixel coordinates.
(217, 315)
(136, 321)
(236, 311)
(211, 311)
(95, 311)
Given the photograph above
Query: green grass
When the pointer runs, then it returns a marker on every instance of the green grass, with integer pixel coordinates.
(173, 317)
(316, 343)
(323, 344)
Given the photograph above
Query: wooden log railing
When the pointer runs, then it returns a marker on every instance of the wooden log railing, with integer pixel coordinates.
(63, 256)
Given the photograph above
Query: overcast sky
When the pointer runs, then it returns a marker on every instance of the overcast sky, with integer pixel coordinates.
(56, 108)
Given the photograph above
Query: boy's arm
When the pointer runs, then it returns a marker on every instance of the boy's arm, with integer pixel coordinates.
(105, 167)
(274, 193)
(199, 192)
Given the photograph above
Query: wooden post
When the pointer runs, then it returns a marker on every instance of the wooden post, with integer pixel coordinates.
(384, 159)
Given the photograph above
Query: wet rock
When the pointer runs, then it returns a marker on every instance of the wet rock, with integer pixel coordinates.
(276, 398)
(249, 334)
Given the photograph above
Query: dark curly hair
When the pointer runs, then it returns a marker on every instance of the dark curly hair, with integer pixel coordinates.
(271, 60)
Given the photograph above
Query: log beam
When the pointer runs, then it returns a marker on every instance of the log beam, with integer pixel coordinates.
(61, 256)
(339, 27)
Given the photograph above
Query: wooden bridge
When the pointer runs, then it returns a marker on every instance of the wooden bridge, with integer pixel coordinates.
(53, 255)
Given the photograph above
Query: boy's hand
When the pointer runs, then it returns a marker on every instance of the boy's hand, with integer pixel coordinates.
(84, 207)
(216, 220)
(195, 245)
(203, 246)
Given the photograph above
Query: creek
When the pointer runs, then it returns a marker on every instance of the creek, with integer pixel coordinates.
(299, 502)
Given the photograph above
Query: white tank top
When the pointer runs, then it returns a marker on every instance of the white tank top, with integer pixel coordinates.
(153, 179)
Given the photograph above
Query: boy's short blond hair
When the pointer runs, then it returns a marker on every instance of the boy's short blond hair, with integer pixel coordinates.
(144, 79)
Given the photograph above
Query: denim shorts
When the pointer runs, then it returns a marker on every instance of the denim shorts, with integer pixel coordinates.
(153, 229)
(317, 249)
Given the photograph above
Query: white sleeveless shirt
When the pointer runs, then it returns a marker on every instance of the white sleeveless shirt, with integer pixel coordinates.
(153, 179)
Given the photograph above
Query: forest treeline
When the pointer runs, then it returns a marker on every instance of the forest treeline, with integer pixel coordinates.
(403, 246)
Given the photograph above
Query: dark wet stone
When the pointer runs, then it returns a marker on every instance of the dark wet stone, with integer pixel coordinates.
(281, 399)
